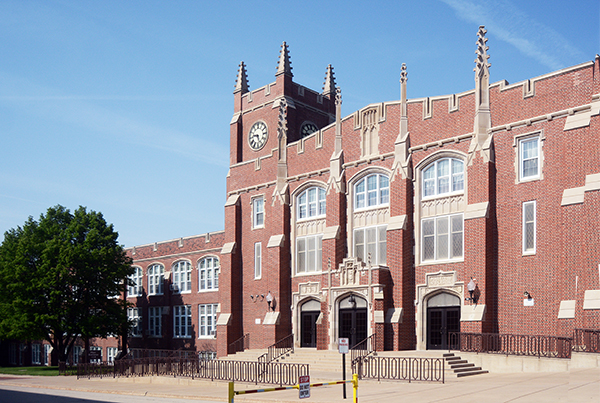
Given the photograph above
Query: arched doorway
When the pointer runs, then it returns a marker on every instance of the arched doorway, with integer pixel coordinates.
(309, 313)
(353, 319)
(443, 317)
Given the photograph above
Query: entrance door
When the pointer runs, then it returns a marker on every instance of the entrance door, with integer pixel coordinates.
(309, 329)
(353, 320)
(443, 318)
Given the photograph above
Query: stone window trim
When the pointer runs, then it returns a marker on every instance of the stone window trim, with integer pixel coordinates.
(426, 162)
(518, 141)
(257, 218)
(320, 204)
(453, 161)
(211, 271)
(529, 227)
(358, 177)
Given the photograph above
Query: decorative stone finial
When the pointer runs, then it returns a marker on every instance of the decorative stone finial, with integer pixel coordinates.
(284, 66)
(403, 74)
(329, 84)
(338, 96)
(242, 79)
(481, 62)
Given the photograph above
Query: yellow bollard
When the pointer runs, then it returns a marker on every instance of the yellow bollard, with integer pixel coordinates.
(231, 393)
(355, 387)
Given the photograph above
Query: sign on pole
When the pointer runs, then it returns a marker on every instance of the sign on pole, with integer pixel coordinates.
(304, 386)
(343, 345)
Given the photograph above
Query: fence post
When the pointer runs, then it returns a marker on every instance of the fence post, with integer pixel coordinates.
(231, 393)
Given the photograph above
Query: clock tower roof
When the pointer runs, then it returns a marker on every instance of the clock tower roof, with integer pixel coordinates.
(285, 65)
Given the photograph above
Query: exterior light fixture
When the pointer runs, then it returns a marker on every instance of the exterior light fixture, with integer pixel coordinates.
(270, 301)
(527, 295)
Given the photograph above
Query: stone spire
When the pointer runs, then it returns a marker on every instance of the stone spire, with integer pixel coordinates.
(284, 66)
(402, 143)
(329, 84)
(336, 162)
(241, 84)
(282, 171)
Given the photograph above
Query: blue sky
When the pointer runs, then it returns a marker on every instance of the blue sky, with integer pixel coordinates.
(124, 106)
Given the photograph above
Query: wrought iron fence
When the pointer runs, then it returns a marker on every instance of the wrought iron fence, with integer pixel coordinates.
(400, 368)
(137, 353)
(586, 340)
(241, 344)
(281, 347)
(95, 370)
(511, 344)
(364, 348)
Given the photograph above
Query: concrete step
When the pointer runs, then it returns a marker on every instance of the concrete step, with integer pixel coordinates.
(461, 367)
(471, 373)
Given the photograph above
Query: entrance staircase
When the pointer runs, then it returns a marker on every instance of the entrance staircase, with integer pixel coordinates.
(326, 365)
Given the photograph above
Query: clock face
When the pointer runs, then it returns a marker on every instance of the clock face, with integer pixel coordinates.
(258, 135)
(308, 128)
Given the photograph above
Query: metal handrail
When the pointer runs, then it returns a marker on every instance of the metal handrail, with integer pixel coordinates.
(511, 344)
(364, 348)
(241, 344)
(281, 347)
(586, 340)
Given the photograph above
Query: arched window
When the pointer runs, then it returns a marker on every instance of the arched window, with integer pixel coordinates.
(208, 274)
(135, 288)
(443, 176)
(156, 278)
(311, 203)
(182, 276)
(372, 190)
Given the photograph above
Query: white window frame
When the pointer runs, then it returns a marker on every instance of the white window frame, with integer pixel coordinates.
(155, 321)
(135, 315)
(137, 278)
(451, 234)
(308, 209)
(207, 321)
(303, 254)
(453, 178)
(523, 158)
(182, 277)
(366, 198)
(156, 279)
(208, 274)
(182, 321)
(257, 260)
(36, 354)
(529, 225)
(76, 353)
(258, 212)
(111, 354)
(377, 249)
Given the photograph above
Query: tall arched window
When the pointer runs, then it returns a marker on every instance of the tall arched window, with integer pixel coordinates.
(311, 203)
(182, 276)
(208, 274)
(443, 177)
(156, 278)
(135, 288)
(373, 190)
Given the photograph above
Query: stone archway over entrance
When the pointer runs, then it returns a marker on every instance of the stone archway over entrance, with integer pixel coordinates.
(309, 313)
(353, 321)
(443, 318)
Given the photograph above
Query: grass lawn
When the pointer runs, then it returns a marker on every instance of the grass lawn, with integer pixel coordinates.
(33, 371)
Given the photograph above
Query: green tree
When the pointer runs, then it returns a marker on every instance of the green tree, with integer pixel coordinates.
(61, 277)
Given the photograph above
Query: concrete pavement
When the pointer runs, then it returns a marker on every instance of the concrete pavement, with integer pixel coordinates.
(575, 385)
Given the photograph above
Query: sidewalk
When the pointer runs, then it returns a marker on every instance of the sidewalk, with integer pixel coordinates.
(578, 385)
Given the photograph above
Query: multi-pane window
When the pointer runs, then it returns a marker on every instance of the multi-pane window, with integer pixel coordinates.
(156, 279)
(444, 176)
(135, 286)
(372, 190)
(182, 276)
(258, 260)
(529, 227)
(45, 354)
(529, 158)
(371, 243)
(258, 212)
(207, 318)
(155, 321)
(311, 203)
(182, 321)
(309, 254)
(442, 238)
(134, 315)
(77, 351)
(208, 274)
(111, 354)
(36, 354)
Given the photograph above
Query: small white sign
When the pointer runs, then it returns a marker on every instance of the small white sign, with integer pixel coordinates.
(343, 345)
(304, 386)
(257, 321)
(528, 302)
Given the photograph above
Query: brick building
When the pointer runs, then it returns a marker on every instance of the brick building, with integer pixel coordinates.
(376, 223)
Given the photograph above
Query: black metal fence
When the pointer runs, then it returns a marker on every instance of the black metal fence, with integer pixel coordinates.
(511, 344)
(586, 340)
(364, 348)
(222, 370)
(400, 368)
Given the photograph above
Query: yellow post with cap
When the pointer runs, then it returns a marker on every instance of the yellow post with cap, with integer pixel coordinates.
(355, 387)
